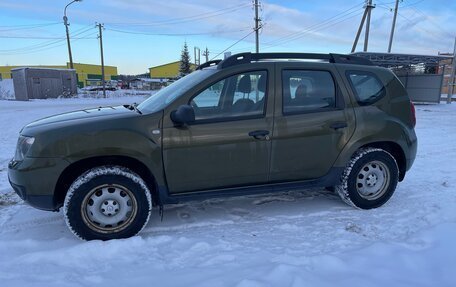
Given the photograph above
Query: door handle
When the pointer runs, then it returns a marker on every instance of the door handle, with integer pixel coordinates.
(338, 125)
(259, 134)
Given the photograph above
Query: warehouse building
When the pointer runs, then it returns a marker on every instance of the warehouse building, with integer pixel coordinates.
(87, 74)
(167, 71)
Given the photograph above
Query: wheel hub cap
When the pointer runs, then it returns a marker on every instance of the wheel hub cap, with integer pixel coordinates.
(372, 180)
(109, 208)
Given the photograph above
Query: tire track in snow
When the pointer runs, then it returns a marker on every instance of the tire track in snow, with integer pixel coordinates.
(34, 223)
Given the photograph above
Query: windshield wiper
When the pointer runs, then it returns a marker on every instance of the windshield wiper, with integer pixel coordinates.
(133, 107)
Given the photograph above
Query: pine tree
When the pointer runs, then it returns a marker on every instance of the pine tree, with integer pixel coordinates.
(184, 68)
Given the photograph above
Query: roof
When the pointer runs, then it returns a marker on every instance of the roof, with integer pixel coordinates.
(40, 68)
(393, 59)
(95, 65)
(191, 64)
(164, 65)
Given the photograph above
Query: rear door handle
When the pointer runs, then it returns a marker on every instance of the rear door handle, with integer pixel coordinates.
(338, 125)
(259, 134)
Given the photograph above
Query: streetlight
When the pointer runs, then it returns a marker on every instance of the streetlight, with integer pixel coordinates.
(65, 22)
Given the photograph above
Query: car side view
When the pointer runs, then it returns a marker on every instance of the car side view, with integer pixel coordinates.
(251, 123)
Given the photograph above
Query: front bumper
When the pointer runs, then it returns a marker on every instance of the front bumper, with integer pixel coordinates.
(35, 179)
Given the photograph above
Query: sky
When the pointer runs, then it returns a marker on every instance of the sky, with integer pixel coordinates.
(139, 34)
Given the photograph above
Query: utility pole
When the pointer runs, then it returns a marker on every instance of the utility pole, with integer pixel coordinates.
(393, 26)
(100, 29)
(197, 54)
(452, 80)
(369, 8)
(65, 22)
(206, 54)
(257, 27)
(367, 13)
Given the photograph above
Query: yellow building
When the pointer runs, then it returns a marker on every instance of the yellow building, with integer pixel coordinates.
(87, 74)
(167, 71)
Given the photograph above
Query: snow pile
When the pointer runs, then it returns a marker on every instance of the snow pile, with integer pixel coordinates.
(6, 89)
(295, 238)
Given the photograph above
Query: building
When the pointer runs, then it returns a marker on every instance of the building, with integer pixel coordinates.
(43, 83)
(87, 74)
(446, 69)
(167, 71)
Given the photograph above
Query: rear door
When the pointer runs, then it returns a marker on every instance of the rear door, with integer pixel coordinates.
(311, 124)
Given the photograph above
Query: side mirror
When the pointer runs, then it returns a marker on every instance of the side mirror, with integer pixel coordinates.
(183, 115)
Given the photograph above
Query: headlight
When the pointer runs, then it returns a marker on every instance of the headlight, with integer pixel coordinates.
(23, 145)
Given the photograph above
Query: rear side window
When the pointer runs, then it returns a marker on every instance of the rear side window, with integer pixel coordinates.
(366, 86)
(307, 91)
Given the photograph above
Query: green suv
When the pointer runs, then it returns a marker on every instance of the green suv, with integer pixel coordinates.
(252, 123)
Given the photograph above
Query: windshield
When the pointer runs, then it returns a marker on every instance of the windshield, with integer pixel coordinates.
(165, 96)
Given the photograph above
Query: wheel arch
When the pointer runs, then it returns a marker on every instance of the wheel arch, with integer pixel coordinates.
(74, 170)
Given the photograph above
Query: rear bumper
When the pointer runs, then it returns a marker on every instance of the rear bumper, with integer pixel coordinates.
(34, 180)
(412, 149)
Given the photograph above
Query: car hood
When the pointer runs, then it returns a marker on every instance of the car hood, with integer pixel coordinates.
(81, 116)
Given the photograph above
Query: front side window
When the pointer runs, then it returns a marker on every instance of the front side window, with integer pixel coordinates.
(367, 87)
(307, 91)
(240, 95)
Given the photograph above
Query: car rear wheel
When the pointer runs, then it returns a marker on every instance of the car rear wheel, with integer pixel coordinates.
(107, 202)
(369, 179)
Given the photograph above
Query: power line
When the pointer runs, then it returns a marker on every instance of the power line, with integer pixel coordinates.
(315, 27)
(26, 27)
(75, 33)
(430, 33)
(250, 33)
(175, 34)
(430, 20)
(420, 12)
(292, 34)
(412, 4)
(185, 19)
(43, 48)
(27, 37)
(46, 44)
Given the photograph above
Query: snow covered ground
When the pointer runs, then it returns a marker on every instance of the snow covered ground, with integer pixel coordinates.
(6, 89)
(296, 238)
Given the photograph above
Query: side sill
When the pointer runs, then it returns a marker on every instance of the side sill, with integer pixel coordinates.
(330, 179)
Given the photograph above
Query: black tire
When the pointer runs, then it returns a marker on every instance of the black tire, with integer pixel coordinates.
(107, 202)
(369, 179)
(330, 188)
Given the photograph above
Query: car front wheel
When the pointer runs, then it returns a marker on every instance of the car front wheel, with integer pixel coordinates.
(107, 202)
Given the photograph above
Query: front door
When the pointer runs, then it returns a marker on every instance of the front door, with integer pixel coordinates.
(228, 144)
(311, 122)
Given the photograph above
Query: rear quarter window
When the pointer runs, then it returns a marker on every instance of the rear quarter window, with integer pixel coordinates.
(366, 86)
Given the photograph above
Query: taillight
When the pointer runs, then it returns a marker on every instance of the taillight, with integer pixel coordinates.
(413, 114)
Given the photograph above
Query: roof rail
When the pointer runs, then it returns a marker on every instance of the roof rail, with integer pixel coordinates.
(208, 64)
(350, 59)
(244, 58)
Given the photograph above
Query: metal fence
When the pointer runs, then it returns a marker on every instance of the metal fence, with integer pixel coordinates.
(424, 88)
